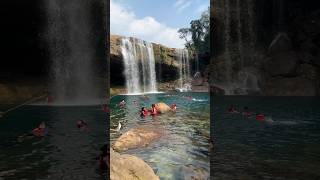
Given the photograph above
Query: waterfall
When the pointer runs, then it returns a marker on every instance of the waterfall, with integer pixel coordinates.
(239, 33)
(131, 71)
(239, 26)
(136, 52)
(71, 51)
(184, 70)
(152, 73)
(228, 45)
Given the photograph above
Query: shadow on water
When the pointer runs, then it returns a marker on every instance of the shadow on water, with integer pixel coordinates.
(65, 153)
(184, 144)
(286, 146)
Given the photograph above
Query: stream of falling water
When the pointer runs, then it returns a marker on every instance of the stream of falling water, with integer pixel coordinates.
(136, 51)
(184, 70)
(71, 52)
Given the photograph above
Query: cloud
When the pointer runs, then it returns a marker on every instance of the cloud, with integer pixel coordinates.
(180, 5)
(124, 22)
(200, 9)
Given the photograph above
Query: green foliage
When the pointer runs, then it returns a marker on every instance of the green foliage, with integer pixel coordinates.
(199, 31)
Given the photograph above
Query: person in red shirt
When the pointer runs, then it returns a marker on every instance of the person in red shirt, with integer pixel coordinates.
(153, 110)
(40, 131)
(144, 112)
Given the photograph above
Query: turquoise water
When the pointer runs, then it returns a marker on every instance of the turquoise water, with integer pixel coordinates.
(285, 146)
(66, 153)
(185, 143)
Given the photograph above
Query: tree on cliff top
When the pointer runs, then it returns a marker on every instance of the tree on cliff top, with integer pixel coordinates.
(200, 34)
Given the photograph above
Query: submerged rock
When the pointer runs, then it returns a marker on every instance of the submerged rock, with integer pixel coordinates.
(190, 172)
(129, 167)
(137, 137)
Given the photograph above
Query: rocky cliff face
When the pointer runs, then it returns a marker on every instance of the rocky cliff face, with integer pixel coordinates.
(166, 59)
(266, 48)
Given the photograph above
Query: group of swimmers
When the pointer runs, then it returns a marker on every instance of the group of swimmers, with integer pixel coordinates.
(247, 113)
(144, 111)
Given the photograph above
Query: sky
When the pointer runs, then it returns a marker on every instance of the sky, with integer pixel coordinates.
(154, 20)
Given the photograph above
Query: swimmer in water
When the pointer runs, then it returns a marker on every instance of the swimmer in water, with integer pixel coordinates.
(232, 109)
(246, 112)
(82, 126)
(153, 110)
(41, 130)
(122, 103)
(144, 112)
(260, 117)
(173, 107)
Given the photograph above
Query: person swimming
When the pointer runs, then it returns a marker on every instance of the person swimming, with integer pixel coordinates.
(246, 112)
(122, 103)
(41, 130)
(144, 112)
(153, 110)
(232, 109)
(82, 125)
(173, 107)
(260, 117)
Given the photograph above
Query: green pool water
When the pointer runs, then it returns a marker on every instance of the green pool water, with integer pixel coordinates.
(186, 143)
(66, 153)
(285, 146)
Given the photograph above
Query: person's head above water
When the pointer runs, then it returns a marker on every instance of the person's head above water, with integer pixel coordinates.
(153, 105)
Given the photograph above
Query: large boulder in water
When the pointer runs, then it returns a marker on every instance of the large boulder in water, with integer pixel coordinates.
(129, 167)
(162, 107)
(137, 137)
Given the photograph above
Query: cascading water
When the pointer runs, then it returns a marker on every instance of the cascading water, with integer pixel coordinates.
(136, 51)
(239, 47)
(184, 71)
(71, 52)
(153, 83)
(131, 66)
